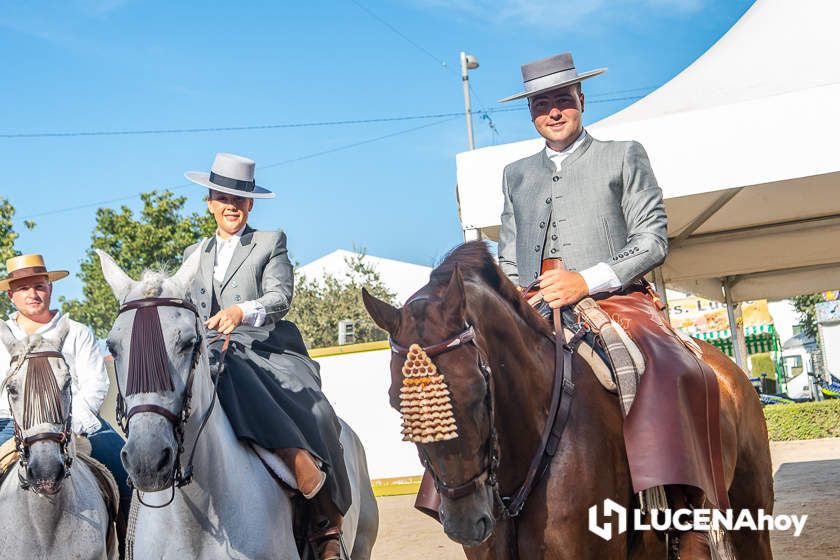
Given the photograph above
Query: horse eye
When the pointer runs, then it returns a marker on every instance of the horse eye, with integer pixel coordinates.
(189, 344)
(11, 388)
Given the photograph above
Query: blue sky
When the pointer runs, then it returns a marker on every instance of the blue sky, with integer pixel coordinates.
(122, 65)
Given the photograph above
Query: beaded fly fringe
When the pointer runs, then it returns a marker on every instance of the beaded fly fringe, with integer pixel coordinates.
(425, 405)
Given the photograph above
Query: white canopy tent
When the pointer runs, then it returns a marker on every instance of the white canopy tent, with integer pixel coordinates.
(744, 145)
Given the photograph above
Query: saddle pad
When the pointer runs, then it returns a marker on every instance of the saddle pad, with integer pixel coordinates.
(276, 466)
(626, 359)
(599, 367)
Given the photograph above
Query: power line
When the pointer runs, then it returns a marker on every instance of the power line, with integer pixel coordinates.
(100, 203)
(313, 124)
(403, 35)
(221, 128)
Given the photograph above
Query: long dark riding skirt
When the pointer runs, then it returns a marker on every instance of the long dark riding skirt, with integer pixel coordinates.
(274, 399)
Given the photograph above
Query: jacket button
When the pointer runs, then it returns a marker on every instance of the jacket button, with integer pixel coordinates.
(555, 178)
(203, 304)
(553, 251)
(554, 237)
(203, 291)
(236, 297)
(548, 200)
(537, 248)
(233, 284)
(542, 225)
(554, 224)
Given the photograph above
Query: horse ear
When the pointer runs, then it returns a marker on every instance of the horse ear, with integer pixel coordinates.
(383, 313)
(7, 337)
(119, 281)
(453, 298)
(62, 330)
(189, 268)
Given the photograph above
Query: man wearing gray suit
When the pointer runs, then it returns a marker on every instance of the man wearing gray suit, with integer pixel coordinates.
(270, 388)
(583, 218)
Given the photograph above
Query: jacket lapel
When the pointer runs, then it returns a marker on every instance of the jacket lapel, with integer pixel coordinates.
(208, 258)
(246, 245)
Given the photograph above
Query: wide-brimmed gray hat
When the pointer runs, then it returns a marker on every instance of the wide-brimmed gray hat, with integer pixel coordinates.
(550, 73)
(230, 174)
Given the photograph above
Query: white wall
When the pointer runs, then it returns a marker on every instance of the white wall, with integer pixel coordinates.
(357, 386)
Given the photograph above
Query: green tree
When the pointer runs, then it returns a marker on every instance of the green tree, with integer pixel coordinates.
(320, 303)
(7, 249)
(805, 306)
(154, 239)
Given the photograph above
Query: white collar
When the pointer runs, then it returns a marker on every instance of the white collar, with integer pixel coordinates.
(570, 148)
(235, 237)
(18, 330)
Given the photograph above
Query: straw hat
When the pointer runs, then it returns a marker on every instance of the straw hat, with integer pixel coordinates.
(26, 266)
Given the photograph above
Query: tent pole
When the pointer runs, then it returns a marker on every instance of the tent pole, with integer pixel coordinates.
(659, 281)
(472, 234)
(736, 326)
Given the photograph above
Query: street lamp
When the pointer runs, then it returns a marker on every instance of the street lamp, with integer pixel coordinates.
(468, 62)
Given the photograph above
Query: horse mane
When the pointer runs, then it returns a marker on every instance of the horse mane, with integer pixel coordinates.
(475, 262)
(152, 282)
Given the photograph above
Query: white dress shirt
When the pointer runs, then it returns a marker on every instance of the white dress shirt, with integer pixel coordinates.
(600, 277)
(254, 311)
(87, 370)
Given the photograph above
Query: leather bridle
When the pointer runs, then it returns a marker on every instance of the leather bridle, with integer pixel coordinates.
(180, 477)
(558, 416)
(62, 438)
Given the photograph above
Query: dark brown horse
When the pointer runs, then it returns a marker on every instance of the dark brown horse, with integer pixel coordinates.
(469, 289)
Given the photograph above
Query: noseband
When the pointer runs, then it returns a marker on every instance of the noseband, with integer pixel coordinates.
(558, 416)
(40, 384)
(491, 456)
(152, 376)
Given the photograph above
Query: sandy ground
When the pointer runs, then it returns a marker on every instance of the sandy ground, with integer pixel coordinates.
(807, 481)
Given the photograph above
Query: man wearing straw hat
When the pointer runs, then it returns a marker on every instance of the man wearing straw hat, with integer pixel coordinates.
(244, 287)
(581, 218)
(29, 285)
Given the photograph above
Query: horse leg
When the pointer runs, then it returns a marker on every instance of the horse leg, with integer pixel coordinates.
(746, 454)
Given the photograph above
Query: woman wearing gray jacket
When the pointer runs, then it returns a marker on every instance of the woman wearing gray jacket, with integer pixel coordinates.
(270, 388)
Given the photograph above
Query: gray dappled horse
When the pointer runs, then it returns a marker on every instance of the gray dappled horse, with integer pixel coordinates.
(45, 512)
(233, 508)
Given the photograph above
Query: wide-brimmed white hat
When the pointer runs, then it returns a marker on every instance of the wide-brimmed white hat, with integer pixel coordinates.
(230, 174)
(550, 73)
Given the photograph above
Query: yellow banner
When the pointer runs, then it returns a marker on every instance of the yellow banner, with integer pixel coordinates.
(693, 314)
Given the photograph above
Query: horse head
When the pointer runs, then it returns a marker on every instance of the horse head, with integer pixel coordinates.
(39, 387)
(156, 343)
(451, 348)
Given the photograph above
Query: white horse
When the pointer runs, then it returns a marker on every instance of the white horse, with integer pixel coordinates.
(45, 512)
(233, 508)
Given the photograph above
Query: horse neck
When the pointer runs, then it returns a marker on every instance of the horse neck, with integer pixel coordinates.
(521, 360)
(216, 446)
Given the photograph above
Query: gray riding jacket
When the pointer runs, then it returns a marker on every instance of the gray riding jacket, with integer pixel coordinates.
(604, 205)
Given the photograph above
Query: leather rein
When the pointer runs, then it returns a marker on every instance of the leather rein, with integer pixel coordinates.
(180, 476)
(556, 421)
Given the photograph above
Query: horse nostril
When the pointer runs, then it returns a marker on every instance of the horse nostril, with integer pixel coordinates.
(125, 460)
(483, 525)
(165, 458)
